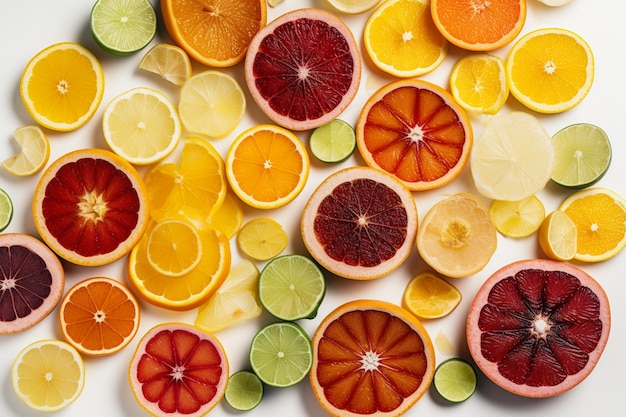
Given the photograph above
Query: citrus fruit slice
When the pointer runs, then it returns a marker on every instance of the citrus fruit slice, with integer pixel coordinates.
(229, 216)
(91, 207)
(416, 131)
(31, 283)
(234, 301)
(517, 218)
(177, 369)
(360, 223)
(174, 247)
(402, 40)
(513, 158)
(48, 375)
(141, 125)
(262, 238)
(34, 152)
(333, 142)
(429, 296)
(292, 287)
(303, 69)
(550, 70)
(538, 327)
(555, 3)
(211, 103)
(455, 380)
(123, 27)
(267, 166)
(479, 26)
(281, 354)
(169, 61)
(600, 218)
(558, 236)
(478, 83)
(244, 391)
(99, 316)
(6, 210)
(582, 154)
(215, 33)
(59, 96)
(456, 237)
(353, 6)
(371, 357)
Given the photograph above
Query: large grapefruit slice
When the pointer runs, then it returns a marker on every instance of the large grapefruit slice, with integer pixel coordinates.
(303, 69)
(537, 327)
(370, 358)
(91, 207)
(360, 223)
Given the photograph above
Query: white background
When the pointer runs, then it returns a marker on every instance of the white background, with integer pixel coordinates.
(30, 25)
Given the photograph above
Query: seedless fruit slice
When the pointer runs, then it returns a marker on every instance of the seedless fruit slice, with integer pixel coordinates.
(353, 6)
(429, 296)
(174, 247)
(517, 218)
(34, 152)
(6, 210)
(333, 142)
(558, 236)
(262, 238)
(244, 391)
(455, 380)
(169, 61)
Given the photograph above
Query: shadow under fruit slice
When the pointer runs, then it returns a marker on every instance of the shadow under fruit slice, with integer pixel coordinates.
(91, 207)
(537, 327)
(31, 282)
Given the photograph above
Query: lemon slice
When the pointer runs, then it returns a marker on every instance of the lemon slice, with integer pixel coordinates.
(558, 236)
(262, 238)
(429, 296)
(34, 152)
(353, 6)
(517, 218)
(169, 61)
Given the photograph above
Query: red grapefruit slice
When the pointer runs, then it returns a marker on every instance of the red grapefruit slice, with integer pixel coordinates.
(303, 69)
(31, 282)
(360, 223)
(537, 327)
(178, 369)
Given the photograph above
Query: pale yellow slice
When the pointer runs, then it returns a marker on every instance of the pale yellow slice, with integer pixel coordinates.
(262, 238)
(517, 218)
(478, 83)
(558, 236)
(353, 6)
(169, 61)
(34, 152)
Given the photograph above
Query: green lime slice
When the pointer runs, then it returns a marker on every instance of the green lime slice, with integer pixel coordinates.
(291, 287)
(582, 154)
(281, 354)
(6, 210)
(333, 142)
(123, 27)
(455, 380)
(244, 390)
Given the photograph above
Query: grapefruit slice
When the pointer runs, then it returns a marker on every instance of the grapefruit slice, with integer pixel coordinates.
(360, 223)
(370, 357)
(537, 327)
(31, 282)
(91, 207)
(177, 370)
(303, 69)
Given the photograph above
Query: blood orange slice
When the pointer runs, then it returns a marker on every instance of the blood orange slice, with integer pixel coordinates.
(416, 131)
(31, 282)
(178, 369)
(360, 223)
(537, 327)
(371, 357)
(91, 207)
(303, 69)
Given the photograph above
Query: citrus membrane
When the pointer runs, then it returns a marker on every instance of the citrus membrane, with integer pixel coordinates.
(455, 380)
(333, 142)
(6, 210)
(34, 151)
(244, 390)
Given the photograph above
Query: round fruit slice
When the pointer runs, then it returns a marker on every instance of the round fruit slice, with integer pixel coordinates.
(178, 370)
(455, 380)
(517, 218)
(31, 283)
(91, 207)
(262, 238)
(6, 210)
(34, 152)
(333, 142)
(174, 247)
(429, 296)
(415, 131)
(169, 61)
(538, 327)
(244, 391)
(558, 236)
(303, 69)
(353, 6)
(371, 357)
(360, 223)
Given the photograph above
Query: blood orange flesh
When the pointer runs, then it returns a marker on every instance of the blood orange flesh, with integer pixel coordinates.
(303, 69)
(537, 327)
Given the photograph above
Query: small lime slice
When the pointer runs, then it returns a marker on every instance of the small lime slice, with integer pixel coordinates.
(291, 287)
(6, 210)
(281, 354)
(123, 27)
(455, 380)
(333, 142)
(262, 238)
(244, 390)
(582, 155)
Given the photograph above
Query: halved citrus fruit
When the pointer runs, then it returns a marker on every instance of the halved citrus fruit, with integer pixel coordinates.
(538, 327)
(178, 369)
(31, 283)
(360, 223)
(91, 207)
(34, 151)
(303, 69)
(171, 62)
(371, 357)
(415, 131)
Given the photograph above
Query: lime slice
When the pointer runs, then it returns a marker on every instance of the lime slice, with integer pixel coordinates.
(281, 354)
(333, 142)
(244, 390)
(455, 380)
(582, 154)
(262, 238)
(123, 27)
(6, 210)
(291, 287)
